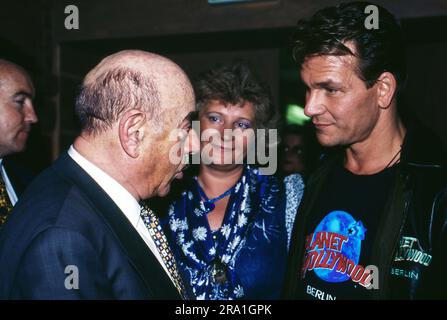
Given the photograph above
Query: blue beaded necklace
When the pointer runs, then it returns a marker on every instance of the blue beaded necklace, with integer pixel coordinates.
(209, 203)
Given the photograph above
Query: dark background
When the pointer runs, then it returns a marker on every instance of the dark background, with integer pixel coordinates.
(196, 35)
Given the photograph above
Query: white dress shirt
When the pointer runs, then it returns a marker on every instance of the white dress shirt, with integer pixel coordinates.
(9, 189)
(122, 198)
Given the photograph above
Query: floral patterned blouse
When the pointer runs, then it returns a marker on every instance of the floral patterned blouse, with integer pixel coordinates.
(246, 257)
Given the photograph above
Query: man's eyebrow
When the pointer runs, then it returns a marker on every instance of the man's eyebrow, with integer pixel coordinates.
(328, 83)
(23, 93)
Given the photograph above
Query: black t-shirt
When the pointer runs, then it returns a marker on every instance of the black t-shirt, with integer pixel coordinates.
(340, 233)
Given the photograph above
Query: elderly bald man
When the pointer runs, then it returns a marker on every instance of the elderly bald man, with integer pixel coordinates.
(16, 117)
(80, 231)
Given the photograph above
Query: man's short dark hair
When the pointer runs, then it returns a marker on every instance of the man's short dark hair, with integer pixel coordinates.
(377, 50)
(100, 103)
(234, 83)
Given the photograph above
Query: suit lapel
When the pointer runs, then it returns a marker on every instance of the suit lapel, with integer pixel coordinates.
(144, 261)
(18, 177)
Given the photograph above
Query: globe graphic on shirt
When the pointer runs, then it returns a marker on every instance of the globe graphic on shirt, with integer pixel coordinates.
(342, 223)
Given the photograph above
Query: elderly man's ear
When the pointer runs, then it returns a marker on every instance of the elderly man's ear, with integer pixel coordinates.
(132, 131)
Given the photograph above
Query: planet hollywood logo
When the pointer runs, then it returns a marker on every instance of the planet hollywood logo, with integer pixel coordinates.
(333, 251)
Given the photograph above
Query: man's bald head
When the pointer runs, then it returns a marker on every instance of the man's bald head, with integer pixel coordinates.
(7, 67)
(7, 63)
(130, 79)
(135, 111)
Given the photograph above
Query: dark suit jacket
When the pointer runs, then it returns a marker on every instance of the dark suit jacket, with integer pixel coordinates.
(65, 219)
(19, 176)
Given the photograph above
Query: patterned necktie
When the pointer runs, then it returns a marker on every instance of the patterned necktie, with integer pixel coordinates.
(152, 224)
(5, 202)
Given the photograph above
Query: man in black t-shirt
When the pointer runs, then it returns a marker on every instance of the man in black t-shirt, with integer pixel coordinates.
(372, 223)
(340, 233)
